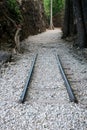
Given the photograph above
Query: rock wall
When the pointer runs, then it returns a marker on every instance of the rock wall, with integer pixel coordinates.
(33, 21)
(58, 19)
(7, 29)
(34, 18)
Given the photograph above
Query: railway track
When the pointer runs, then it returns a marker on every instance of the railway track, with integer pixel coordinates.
(64, 76)
(66, 81)
(24, 92)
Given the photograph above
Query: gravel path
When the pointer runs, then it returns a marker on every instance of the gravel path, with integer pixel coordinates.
(47, 106)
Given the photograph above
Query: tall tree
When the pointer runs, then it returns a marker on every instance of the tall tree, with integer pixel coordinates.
(66, 19)
(75, 17)
(79, 22)
(51, 15)
(56, 7)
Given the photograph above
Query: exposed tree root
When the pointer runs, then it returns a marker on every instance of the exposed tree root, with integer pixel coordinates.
(17, 39)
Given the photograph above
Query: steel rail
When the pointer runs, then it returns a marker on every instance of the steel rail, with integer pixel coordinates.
(23, 95)
(66, 81)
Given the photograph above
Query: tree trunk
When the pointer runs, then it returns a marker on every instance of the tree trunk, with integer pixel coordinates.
(51, 15)
(71, 20)
(79, 23)
(84, 10)
(66, 19)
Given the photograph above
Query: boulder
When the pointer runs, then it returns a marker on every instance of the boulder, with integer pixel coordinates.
(5, 57)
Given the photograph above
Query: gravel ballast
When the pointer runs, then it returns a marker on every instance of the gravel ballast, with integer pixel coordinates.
(47, 105)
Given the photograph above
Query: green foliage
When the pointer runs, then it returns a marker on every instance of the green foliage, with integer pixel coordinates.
(58, 5)
(15, 10)
(47, 8)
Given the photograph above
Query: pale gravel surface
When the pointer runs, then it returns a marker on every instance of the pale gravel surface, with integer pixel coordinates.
(47, 106)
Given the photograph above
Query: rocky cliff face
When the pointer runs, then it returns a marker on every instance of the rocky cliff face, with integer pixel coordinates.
(7, 29)
(33, 20)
